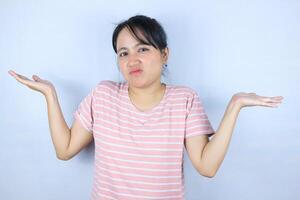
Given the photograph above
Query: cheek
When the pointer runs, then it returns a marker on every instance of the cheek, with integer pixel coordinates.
(156, 63)
(155, 59)
(122, 64)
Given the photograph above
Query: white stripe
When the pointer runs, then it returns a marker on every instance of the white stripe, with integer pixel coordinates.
(197, 126)
(136, 142)
(110, 109)
(116, 97)
(108, 96)
(86, 105)
(83, 121)
(118, 127)
(134, 124)
(139, 155)
(197, 114)
(84, 111)
(139, 182)
(141, 136)
(144, 197)
(114, 87)
(120, 106)
(197, 120)
(140, 162)
(122, 93)
(103, 195)
(138, 148)
(138, 168)
(194, 134)
(137, 175)
(139, 189)
(138, 118)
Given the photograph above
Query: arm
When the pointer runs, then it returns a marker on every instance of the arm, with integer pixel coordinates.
(207, 156)
(67, 142)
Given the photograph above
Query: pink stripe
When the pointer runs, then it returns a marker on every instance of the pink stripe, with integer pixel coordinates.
(136, 150)
(135, 160)
(135, 164)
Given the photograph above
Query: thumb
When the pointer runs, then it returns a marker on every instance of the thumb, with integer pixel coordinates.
(36, 78)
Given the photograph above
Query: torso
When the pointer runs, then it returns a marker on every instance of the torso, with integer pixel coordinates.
(139, 154)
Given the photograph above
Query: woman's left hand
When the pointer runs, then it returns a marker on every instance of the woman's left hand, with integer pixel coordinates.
(243, 99)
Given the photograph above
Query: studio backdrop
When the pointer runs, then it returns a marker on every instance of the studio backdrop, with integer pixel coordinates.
(218, 48)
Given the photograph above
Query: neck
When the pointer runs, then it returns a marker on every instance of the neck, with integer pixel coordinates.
(150, 91)
(145, 98)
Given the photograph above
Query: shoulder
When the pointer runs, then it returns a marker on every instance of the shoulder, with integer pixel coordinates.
(183, 91)
(108, 86)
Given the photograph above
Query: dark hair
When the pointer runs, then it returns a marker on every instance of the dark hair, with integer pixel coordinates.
(145, 29)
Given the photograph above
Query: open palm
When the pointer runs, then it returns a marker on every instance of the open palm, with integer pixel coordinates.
(252, 99)
(36, 83)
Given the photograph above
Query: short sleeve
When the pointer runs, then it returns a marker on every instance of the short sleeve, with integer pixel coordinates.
(84, 112)
(197, 122)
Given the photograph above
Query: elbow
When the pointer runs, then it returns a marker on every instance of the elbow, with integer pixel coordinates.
(207, 173)
(63, 157)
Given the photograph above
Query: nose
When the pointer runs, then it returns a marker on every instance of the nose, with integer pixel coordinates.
(133, 59)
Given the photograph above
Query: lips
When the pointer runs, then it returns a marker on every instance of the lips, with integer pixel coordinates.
(135, 71)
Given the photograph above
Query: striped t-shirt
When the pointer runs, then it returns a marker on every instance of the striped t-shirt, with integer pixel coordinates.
(139, 155)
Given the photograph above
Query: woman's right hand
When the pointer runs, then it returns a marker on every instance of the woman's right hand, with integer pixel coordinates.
(37, 84)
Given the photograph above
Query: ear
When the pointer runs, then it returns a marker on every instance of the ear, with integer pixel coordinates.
(165, 54)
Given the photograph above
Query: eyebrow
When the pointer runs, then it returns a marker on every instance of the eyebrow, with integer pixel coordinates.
(138, 44)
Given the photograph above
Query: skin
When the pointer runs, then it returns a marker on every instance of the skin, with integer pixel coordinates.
(145, 91)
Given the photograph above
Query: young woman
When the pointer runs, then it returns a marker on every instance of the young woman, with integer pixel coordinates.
(141, 126)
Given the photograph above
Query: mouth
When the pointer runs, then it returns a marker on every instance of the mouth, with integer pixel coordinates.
(136, 72)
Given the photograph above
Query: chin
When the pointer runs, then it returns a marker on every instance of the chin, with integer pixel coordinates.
(137, 83)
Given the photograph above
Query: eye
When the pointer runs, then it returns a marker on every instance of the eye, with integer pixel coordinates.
(143, 49)
(123, 54)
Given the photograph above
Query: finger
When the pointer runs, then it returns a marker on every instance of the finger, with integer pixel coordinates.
(274, 100)
(16, 75)
(274, 105)
(271, 104)
(275, 97)
(278, 97)
(22, 79)
(12, 73)
(26, 81)
(36, 78)
(271, 99)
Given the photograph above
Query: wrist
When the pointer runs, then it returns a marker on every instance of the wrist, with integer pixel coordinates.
(50, 95)
(235, 103)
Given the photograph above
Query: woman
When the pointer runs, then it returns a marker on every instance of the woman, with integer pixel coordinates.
(140, 126)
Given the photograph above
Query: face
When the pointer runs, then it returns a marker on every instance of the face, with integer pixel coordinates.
(140, 64)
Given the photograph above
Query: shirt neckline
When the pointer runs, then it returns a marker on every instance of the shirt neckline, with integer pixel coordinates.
(154, 108)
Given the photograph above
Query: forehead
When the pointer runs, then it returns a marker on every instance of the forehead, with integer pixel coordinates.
(126, 38)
